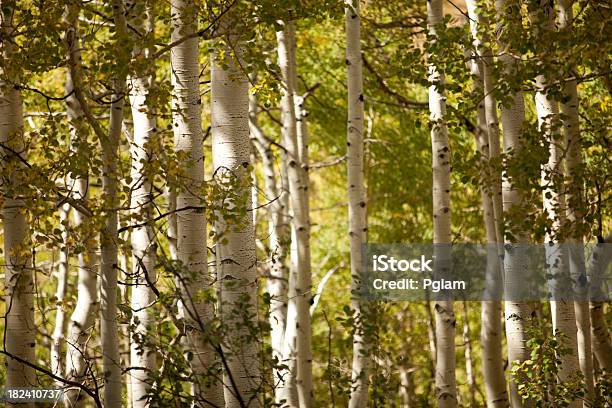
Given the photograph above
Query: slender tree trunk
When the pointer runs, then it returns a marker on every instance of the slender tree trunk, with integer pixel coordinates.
(433, 350)
(297, 353)
(557, 261)
(407, 394)
(446, 389)
(142, 356)
(562, 310)
(517, 313)
(431, 336)
(171, 232)
(254, 191)
(83, 317)
(111, 363)
(575, 209)
(19, 330)
(356, 198)
(602, 254)
(491, 329)
(487, 141)
(59, 329)
(468, 353)
(191, 223)
(236, 243)
(125, 273)
(278, 234)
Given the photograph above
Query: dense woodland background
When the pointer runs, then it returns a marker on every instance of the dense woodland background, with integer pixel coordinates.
(186, 186)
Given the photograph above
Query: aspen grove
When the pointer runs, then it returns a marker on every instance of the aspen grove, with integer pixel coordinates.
(191, 192)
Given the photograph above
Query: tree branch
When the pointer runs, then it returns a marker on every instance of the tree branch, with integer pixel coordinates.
(403, 101)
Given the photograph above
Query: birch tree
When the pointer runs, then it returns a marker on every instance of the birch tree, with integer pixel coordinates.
(487, 141)
(356, 198)
(235, 246)
(19, 340)
(278, 238)
(142, 357)
(446, 390)
(297, 353)
(602, 348)
(469, 362)
(111, 363)
(517, 313)
(83, 316)
(59, 329)
(575, 206)
(562, 309)
(190, 219)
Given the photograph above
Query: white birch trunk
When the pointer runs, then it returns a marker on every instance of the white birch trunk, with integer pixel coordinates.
(59, 329)
(431, 336)
(602, 348)
(304, 373)
(83, 316)
(142, 357)
(557, 261)
(356, 198)
(235, 246)
(171, 231)
(254, 191)
(407, 387)
(125, 273)
(469, 361)
(111, 363)
(297, 353)
(517, 314)
(445, 381)
(191, 223)
(277, 230)
(562, 310)
(19, 331)
(575, 209)
(487, 142)
(491, 331)
(491, 327)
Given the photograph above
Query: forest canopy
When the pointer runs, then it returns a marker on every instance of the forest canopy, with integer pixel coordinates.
(196, 195)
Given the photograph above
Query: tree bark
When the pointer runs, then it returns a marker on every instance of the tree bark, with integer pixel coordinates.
(111, 363)
(297, 353)
(278, 238)
(191, 224)
(446, 389)
(83, 316)
(356, 199)
(125, 273)
(19, 340)
(517, 313)
(557, 261)
(602, 348)
(142, 356)
(431, 336)
(236, 240)
(407, 394)
(469, 361)
(59, 330)
(575, 209)
(487, 142)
